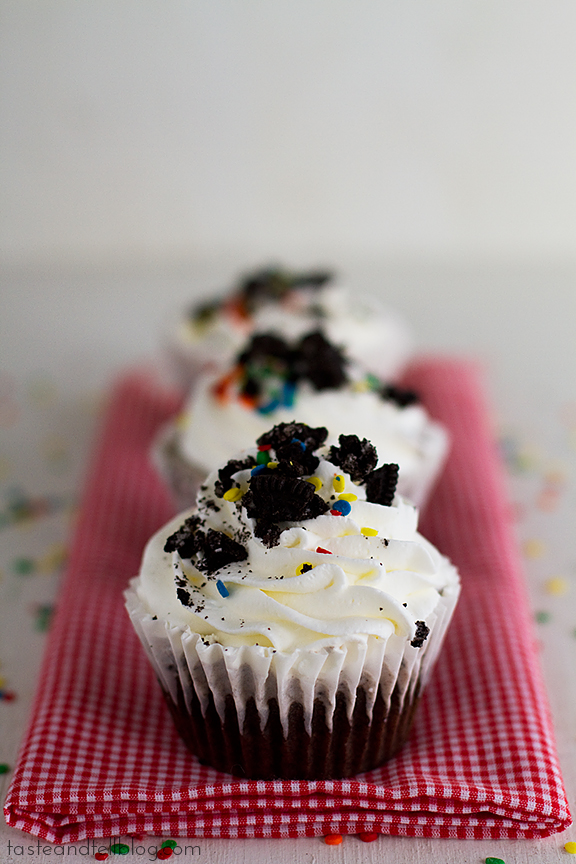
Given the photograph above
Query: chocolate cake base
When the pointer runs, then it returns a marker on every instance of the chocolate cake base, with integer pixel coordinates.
(348, 748)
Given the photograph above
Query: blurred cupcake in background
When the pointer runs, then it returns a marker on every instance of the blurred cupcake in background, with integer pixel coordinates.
(211, 332)
(309, 379)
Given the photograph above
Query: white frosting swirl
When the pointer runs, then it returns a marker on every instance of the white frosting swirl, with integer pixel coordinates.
(381, 578)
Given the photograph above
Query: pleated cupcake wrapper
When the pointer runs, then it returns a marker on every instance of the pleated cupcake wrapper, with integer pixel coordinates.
(434, 446)
(182, 478)
(182, 660)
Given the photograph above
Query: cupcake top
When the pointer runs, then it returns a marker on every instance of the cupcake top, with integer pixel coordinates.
(273, 379)
(297, 544)
(293, 303)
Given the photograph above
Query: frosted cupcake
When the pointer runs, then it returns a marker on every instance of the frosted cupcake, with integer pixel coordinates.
(210, 333)
(294, 616)
(275, 380)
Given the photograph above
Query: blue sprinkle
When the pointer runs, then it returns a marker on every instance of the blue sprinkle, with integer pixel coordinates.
(269, 407)
(289, 394)
(257, 470)
(222, 588)
(297, 441)
(343, 506)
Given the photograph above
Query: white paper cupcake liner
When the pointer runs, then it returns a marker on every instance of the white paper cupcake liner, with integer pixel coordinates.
(181, 477)
(209, 674)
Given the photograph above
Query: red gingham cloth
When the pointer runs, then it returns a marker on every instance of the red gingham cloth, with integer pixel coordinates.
(101, 757)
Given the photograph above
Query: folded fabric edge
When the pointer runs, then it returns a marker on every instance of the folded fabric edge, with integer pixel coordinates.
(430, 824)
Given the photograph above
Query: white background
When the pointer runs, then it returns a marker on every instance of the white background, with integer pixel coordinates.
(424, 127)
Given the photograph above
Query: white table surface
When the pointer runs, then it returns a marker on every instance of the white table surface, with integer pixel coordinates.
(65, 332)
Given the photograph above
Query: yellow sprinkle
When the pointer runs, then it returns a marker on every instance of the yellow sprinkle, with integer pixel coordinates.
(534, 548)
(369, 532)
(557, 585)
(182, 422)
(53, 558)
(339, 483)
(272, 464)
(570, 847)
(2, 682)
(348, 496)
(304, 567)
(315, 481)
(233, 494)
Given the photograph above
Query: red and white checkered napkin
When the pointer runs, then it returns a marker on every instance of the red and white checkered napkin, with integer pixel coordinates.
(101, 757)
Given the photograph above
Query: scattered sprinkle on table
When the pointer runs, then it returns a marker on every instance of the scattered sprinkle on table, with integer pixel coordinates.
(570, 847)
(4, 768)
(101, 856)
(542, 617)
(164, 853)
(534, 548)
(333, 839)
(368, 838)
(171, 843)
(494, 861)
(557, 585)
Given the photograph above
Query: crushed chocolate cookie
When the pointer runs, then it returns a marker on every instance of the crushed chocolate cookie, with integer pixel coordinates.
(357, 458)
(282, 499)
(422, 631)
(398, 395)
(284, 433)
(318, 361)
(381, 484)
(268, 532)
(219, 550)
(185, 539)
(224, 481)
(272, 284)
(264, 346)
(184, 597)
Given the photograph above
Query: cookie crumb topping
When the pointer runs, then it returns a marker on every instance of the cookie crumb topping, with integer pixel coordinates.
(268, 285)
(422, 631)
(357, 458)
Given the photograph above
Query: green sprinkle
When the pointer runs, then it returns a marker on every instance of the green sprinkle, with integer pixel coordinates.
(23, 566)
(543, 617)
(4, 768)
(373, 382)
(120, 848)
(170, 843)
(494, 861)
(263, 457)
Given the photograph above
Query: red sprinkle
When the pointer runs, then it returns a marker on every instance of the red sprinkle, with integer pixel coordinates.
(336, 513)
(262, 447)
(7, 695)
(325, 551)
(164, 853)
(368, 838)
(333, 839)
(101, 856)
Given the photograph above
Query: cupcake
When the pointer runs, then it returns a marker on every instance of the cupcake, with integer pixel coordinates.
(210, 333)
(293, 617)
(273, 380)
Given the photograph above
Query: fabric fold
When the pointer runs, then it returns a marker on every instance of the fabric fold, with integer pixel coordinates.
(101, 757)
